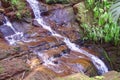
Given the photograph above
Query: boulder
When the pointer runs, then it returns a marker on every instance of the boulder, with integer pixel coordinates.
(82, 14)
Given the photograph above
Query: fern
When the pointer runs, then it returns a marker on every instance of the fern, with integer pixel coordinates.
(115, 10)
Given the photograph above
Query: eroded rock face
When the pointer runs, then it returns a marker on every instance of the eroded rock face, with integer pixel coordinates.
(82, 15)
(112, 75)
(9, 68)
(63, 16)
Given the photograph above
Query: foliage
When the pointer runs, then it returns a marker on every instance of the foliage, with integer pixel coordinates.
(57, 1)
(19, 7)
(103, 28)
(115, 10)
(2, 69)
(97, 78)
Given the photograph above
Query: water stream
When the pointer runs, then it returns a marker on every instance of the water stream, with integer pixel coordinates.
(12, 35)
(99, 64)
(12, 39)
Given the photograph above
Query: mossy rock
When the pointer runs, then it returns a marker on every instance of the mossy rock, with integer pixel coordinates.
(1, 69)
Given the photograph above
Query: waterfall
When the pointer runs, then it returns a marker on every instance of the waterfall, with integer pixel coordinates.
(15, 36)
(12, 39)
(99, 64)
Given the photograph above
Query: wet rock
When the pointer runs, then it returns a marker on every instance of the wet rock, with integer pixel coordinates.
(9, 68)
(112, 75)
(28, 20)
(113, 57)
(63, 16)
(35, 23)
(45, 8)
(41, 73)
(6, 31)
(66, 62)
(22, 26)
(1, 19)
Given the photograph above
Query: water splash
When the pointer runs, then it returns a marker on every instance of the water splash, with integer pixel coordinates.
(99, 64)
(17, 36)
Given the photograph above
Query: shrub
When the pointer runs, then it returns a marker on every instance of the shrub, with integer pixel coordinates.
(19, 7)
(103, 27)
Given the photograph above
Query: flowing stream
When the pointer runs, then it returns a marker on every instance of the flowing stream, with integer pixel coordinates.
(12, 39)
(99, 64)
(13, 36)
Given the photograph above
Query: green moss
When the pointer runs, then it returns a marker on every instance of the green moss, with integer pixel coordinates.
(1, 69)
(19, 7)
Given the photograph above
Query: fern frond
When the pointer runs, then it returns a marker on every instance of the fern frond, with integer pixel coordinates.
(115, 10)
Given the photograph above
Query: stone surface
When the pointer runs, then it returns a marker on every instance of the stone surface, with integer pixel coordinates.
(41, 73)
(9, 68)
(112, 75)
(82, 14)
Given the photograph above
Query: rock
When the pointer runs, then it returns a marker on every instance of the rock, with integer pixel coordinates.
(22, 26)
(112, 53)
(78, 76)
(62, 1)
(82, 14)
(66, 62)
(41, 73)
(112, 75)
(36, 24)
(0, 4)
(8, 68)
(1, 19)
(28, 20)
(1, 10)
(56, 1)
(75, 1)
(62, 16)
(6, 31)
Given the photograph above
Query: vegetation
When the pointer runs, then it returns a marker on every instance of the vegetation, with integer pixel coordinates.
(103, 28)
(19, 7)
(115, 10)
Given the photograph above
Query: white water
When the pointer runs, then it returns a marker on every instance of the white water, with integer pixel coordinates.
(12, 39)
(18, 36)
(99, 64)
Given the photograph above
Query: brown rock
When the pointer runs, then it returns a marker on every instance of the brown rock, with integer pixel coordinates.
(63, 15)
(112, 75)
(41, 73)
(78, 76)
(12, 67)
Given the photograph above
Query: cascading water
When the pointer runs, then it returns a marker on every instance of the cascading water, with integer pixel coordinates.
(12, 39)
(99, 64)
(14, 36)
